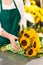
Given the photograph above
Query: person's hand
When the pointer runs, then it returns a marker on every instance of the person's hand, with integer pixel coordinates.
(12, 39)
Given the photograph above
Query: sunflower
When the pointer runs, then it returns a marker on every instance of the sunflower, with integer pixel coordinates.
(26, 8)
(24, 42)
(34, 13)
(36, 45)
(29, 9)
(37, 19)
(31, 52)
(31, 33)
(33, 2)
(37, 16)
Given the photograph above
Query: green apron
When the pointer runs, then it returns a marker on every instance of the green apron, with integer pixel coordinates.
(10, 22)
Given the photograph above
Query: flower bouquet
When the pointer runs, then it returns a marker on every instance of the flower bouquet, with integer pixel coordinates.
(29, 43)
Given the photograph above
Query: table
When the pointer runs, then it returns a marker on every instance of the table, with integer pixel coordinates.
(8, 58)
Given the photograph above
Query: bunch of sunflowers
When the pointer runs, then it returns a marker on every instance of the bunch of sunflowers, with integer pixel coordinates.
(37, 14)
(29, 44)
(29, 41)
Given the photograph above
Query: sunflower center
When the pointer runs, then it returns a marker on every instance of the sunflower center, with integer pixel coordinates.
(24, 43)
(34, 13)
(26, 35)
(30, 52)
(34, 45)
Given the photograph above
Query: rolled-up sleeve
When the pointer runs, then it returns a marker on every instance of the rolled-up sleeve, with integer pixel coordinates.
(20, 6)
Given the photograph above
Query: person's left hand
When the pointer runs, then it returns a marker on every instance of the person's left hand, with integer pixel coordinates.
(12, 39)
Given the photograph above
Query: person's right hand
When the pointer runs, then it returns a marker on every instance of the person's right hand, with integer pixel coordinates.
(12, 39)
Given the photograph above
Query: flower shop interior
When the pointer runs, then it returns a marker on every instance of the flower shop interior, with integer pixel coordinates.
(30, 38)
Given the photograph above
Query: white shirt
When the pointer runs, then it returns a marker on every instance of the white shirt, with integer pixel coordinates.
(20, 6)
(7, 7)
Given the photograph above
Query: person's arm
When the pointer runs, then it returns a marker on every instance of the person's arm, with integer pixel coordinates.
(20, 6)
(9, 36)
(3, 33)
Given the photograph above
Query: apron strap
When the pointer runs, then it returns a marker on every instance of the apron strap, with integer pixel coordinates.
(15, 4)
(0, 6)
